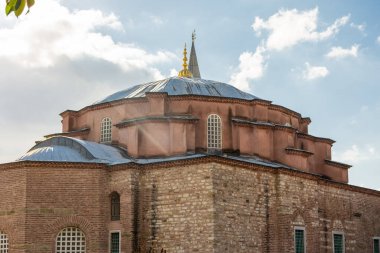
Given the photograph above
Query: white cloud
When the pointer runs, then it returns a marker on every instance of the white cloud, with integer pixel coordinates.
(378, 39)
(314, 72)
(289, 27)
(173, 72)
(339, 52)
(360, 27)
(354, 154)
(52, 31)
(251, 66)
(157, 20)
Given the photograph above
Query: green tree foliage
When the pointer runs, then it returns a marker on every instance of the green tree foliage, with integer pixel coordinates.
(17, 6)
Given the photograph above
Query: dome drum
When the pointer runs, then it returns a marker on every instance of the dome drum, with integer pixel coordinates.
(171, 118)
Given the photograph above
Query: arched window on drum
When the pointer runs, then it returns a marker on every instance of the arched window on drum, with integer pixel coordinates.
(106, 130)
(214, 132)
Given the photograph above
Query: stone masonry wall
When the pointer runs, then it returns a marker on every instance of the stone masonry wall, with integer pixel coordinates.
(257, 211)
(177, 209)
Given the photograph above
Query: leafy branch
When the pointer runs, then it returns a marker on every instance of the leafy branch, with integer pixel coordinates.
(17, 6)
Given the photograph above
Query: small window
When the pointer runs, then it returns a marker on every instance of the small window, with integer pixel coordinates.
(115, 206)
(338, 240)
(376, 245)
(299, 240)
(106, 130)
(3, 243)
(214, 132)
(115, 242)
(70, 240)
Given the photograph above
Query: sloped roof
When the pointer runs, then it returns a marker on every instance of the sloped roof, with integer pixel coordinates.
(67, 149)
(181, 86)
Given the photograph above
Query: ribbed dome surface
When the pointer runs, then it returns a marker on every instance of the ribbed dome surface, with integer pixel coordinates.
(176, 86)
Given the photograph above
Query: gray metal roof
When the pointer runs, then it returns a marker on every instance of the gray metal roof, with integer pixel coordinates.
(176, 86)
(66, 149)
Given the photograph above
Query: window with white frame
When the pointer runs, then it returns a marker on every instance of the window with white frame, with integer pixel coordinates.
(3, 242)
(106, 130)
(299, 240)
(70, 240)
(115, 242)
(376, 245)
(338, 242)
(214, 132)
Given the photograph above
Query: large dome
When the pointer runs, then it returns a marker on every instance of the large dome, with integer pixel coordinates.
(176, 86)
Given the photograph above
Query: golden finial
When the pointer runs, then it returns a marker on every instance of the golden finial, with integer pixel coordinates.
(185, 72)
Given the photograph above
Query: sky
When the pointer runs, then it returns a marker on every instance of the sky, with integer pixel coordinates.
(319, 58)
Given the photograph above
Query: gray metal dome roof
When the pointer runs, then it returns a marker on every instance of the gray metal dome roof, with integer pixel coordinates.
(176, 86)
(66, 149)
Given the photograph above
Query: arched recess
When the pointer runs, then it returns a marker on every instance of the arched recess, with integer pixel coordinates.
(70, 240)
(115, 206)
(54, 228)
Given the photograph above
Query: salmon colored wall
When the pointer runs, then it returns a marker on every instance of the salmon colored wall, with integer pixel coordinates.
(147, 138)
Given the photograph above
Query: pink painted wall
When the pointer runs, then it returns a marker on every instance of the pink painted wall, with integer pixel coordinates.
(166, 137)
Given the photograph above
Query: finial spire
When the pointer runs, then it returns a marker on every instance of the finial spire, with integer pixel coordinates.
(185, 72)
(193, 63)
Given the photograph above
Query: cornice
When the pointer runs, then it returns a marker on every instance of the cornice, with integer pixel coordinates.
(295, 151)
(80, 132)
(314, 138)
(48, 164)
(338, 164)
(167, 118)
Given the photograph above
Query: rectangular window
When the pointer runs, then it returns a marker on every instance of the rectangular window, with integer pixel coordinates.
(299, 240)
(115, 242)
(338, 242)
(376, 245)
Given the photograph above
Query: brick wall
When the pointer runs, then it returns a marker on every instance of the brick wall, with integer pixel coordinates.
(205, 206)
(12, 207)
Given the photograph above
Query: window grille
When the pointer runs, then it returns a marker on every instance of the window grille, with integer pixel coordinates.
(376, 245)
(299, 239)
(106, 130)
(3, 243)
(115, 206)
(71, 240)
(214, 132)
(338, 243)
(115, 242)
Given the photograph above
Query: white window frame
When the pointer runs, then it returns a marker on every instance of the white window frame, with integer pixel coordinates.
(373, 242)
(4, 242)
(215, 133)
(304, 237)
(106, 134)
(110, 240)
(65, 251)
(343, 240)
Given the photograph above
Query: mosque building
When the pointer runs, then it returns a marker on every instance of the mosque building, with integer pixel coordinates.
(184, 164)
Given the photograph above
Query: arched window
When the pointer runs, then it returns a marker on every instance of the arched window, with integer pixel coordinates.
(3, 243)
(106, 130)
(70, 240)
(214, 132)
(115, 206)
